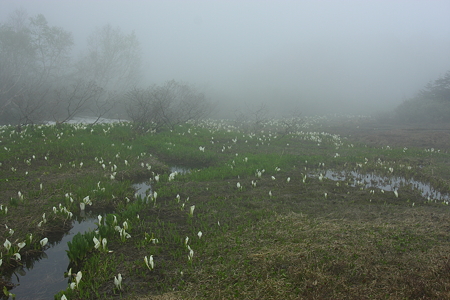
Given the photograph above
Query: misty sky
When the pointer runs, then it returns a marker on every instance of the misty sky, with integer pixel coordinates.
(314, 56)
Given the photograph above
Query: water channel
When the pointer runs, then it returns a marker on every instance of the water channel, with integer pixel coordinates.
(392, 183)
(44, 277)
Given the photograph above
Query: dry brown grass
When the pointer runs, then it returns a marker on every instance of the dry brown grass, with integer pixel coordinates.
(166, 296)
(295, 256)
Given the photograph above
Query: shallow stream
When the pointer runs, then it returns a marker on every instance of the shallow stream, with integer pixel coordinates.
(44, 277)
(368, 181)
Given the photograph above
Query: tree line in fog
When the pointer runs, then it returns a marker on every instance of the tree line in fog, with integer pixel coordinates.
(42, 80)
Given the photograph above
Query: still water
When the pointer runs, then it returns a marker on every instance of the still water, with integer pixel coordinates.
(44, 277)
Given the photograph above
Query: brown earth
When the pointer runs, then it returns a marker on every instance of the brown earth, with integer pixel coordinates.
(378, 133)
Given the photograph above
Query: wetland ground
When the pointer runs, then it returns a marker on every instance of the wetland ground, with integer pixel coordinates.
(272, 227)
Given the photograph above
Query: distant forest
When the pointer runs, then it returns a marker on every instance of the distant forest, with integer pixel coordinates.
(431, 104)
(42, 81)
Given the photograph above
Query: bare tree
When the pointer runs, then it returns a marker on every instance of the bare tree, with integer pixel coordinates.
(259, 116)
(113, 59)
(33, 58)
(159, 107)
(39, 81)
(293, 122)
(252, 118)
(52, 48)
(16, 60)
(142, 110)
(31, 103)
(103, 105)
(69, 101)
(18, 20)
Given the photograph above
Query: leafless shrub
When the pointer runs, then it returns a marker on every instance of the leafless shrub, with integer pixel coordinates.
(159, 107)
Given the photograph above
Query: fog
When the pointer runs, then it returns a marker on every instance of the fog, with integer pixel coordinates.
(316, 57)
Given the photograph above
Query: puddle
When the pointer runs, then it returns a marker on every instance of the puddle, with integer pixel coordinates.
(143, 189)
(179, 170)
(43, 277)
(385, 183)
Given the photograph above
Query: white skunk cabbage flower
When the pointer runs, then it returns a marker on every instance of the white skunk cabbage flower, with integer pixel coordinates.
(7, 244)
(43, 242)
(78, 277)
(21, 245)
(96, 242)
(118, 281)
(149, 262)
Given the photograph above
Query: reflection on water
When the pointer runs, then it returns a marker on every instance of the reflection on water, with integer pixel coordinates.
(143, 189)
(89, 120)
(43, 277)
(179, 170)
(386, 183)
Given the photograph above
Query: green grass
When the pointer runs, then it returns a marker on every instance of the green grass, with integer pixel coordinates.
(269, 239)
